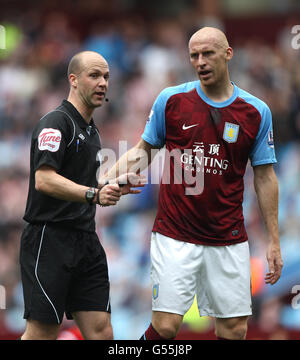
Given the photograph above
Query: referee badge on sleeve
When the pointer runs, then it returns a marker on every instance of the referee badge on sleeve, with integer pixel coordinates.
(49, 139)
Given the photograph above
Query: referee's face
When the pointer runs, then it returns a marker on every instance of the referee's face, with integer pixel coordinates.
(92, 82)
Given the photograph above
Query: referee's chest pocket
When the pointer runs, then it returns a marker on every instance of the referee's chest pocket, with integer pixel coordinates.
(78, 155)
(82, 150)
(81, 162)
(79, 146)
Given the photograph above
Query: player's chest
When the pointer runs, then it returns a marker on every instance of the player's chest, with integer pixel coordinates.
(213, 128)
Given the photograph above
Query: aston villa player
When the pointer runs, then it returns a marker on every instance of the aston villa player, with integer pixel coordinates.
(199, 243)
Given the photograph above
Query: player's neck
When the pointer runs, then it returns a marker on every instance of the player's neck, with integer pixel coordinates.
(219, 92)
(83, 110)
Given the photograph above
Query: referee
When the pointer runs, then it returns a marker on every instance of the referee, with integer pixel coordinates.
(63, 264)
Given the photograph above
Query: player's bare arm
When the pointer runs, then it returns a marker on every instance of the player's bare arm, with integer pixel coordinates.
(266, 187)
(48, 181)
(127, 168)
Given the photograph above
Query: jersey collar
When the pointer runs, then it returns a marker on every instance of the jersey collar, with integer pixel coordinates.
(217, 104)
(75, 114)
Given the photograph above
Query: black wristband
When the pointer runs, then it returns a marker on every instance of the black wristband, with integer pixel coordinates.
(98, 197)
(102, 186)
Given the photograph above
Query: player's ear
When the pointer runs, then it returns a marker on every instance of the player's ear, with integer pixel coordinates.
(229, 53)
(73, 80)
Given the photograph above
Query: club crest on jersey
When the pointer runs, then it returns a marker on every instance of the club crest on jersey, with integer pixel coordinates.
(231, 132)
(49, 139)
(155, 291)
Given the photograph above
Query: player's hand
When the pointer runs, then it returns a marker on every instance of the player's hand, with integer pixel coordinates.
(129, 182)
(109, 194)
(275, 264)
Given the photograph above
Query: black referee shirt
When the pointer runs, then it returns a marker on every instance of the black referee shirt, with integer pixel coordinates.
(63, 140)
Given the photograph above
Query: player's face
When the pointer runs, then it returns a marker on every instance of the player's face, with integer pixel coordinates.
(93, 84)
(210, 61)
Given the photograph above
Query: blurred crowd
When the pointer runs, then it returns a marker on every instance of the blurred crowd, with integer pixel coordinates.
(144, 58)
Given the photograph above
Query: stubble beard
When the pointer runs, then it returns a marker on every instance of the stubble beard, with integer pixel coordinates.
(88, 102)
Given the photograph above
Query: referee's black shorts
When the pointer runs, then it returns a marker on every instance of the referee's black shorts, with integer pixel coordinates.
(63, 271)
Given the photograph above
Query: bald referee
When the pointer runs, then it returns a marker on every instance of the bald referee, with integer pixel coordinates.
(63, 264)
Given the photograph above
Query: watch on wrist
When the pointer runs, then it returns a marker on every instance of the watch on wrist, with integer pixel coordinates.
(90, 195)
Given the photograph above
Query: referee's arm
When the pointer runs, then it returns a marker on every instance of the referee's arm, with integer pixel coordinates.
(47, 181)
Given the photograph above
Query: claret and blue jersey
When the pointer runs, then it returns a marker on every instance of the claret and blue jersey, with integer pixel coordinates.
(216, 140)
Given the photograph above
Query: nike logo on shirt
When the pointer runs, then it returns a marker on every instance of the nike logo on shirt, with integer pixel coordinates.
(188, 127)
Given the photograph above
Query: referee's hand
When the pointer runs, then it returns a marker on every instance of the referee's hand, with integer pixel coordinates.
(109, 195)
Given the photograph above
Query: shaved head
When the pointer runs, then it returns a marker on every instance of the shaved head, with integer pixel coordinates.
(82, 60)
(211, 35)
(88, 74)
(209, 54)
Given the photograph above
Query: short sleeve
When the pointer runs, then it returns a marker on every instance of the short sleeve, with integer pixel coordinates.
(263, 151)
(155, 129)
(50, 140)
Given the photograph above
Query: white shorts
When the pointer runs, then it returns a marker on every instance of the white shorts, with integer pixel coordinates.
(218, 275)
